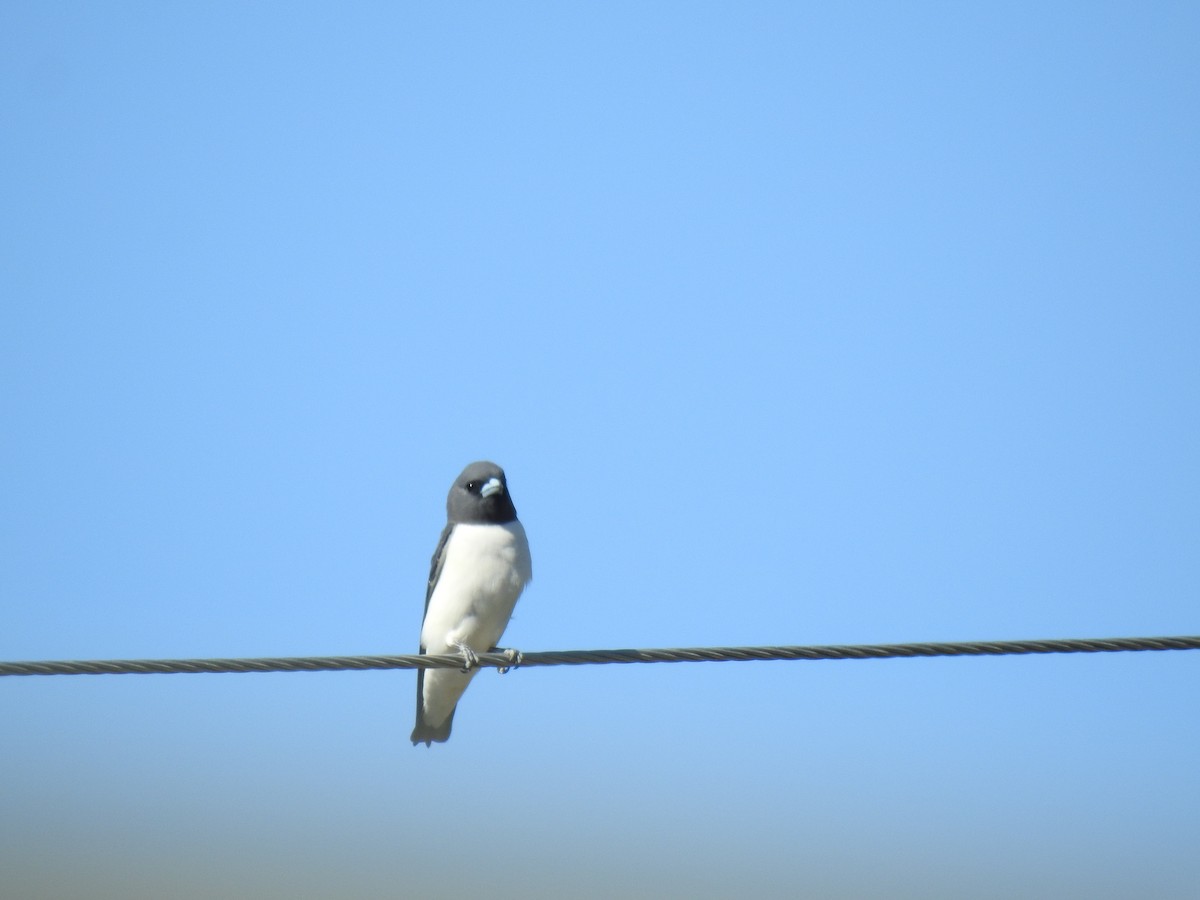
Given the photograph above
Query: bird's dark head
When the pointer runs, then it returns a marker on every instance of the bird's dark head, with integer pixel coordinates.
(480, 495)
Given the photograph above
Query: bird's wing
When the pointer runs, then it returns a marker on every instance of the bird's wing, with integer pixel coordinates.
(422, 732)
(435, 565)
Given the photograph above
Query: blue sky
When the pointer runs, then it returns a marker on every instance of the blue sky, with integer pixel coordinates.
(789, 323)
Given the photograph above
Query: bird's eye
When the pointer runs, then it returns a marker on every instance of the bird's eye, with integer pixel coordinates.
(472, 485)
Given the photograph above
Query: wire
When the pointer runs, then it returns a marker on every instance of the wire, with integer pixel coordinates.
(505, 660)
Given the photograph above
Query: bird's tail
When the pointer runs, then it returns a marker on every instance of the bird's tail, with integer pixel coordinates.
(424, 733)
(428, 734)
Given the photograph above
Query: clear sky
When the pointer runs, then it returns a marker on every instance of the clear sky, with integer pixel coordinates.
(790, 323)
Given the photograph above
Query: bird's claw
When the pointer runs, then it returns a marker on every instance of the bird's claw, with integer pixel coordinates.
(514, 657)
(470, 657)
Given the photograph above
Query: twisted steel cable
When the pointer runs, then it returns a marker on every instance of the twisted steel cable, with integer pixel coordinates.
(502, 660)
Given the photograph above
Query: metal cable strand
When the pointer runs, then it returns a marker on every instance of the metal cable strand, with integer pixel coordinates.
(594, 657)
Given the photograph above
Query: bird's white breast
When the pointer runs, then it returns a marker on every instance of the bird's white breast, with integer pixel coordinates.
(484, 570)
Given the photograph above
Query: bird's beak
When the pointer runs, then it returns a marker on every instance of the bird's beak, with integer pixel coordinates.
(493, 486)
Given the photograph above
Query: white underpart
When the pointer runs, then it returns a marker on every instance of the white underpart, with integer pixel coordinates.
(483, 573)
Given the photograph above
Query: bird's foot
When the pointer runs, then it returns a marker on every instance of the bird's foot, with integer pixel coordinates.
(514, 657)
(470, 657)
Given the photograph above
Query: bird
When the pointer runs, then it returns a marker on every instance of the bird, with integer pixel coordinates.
(479, 569)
